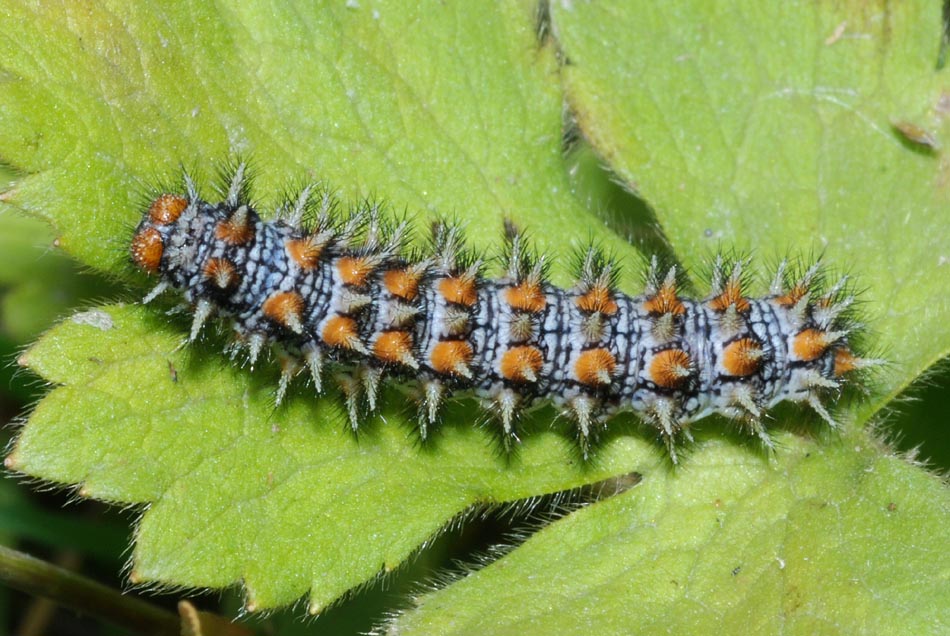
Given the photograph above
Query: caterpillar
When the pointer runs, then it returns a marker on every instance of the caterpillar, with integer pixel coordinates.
(339, 292)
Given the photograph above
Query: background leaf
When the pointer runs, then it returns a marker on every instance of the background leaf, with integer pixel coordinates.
(778, 127)
(834, 539)
(457, 110)
(402, 104)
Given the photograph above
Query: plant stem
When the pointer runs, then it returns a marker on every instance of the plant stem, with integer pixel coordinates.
(69, 589)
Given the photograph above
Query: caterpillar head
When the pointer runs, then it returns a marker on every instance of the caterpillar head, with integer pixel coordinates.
(148, 244)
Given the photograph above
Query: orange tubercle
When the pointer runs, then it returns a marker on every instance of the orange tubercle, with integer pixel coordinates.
(285, 308)
(522, 364)
(235, 230)
(221, 272)
(845, 361)
(810, 344)
(166, 209)
(459, 290)
(147, 249)
(670, 368)
(451, 357)
(794, 295)
(597, 300)
(394, 346)
(340, 331)
(731, 295)
(526, 297)
(742, 357)
(304, 251)
(594, 367)
(665, 302)
(401, 283)
(354, 270)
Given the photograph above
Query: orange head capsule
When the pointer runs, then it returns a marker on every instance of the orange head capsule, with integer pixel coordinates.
(166, 209)
(147, 249)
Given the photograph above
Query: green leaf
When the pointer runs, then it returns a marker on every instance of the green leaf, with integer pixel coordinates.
(777, 126)
(407, 105)
(455, 109)
(837, 540)
(286, 501)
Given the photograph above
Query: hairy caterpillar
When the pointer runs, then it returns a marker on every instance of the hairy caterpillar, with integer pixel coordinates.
(340, 292)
